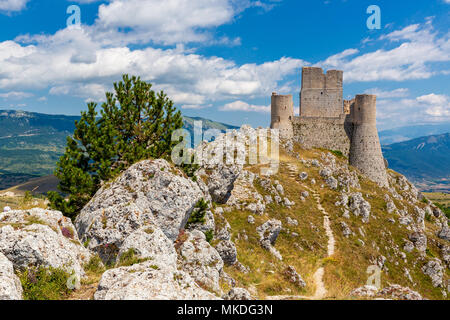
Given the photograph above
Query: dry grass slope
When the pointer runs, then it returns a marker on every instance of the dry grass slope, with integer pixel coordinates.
(347, 268)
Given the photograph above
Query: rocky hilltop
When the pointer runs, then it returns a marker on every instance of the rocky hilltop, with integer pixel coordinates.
(315, 229)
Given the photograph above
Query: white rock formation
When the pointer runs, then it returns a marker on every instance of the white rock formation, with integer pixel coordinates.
(201, 260)
(149, 281)
(10, 287)
(39, 237)
(151, 192)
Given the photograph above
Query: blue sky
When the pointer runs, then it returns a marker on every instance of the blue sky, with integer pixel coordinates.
(221, 59)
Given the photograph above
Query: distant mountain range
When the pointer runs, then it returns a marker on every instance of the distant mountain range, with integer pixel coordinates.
(411, 132)
(31, 143)
(424, 160)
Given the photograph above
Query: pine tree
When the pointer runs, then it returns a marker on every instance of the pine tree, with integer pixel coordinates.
(135, 123)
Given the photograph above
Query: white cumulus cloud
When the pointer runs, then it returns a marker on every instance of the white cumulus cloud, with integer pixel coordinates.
(384, 94)
(167, 22)
(419, 46)
(243, 106)
(12, 5)
(71, 62)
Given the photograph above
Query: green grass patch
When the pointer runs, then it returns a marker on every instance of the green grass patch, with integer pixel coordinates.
(337, 153)
(95, 265)
(44, 283)
(129, 258)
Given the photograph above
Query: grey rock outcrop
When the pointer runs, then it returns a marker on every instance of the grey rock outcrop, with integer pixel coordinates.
(394, 291)
(148, 281)
(200, 260)
(445, 232)
(151, 192)
(38, 237)
(420, 240)
(332, 182)
(268, 234)
(408, 246)
(359, 206)
(445, 253)
(291, 274)
(150, 243)
(346, 232)
(269, 231)
(10, 286)
(227, 251)
(400, 293)
(222, 176)
(221, 180)
(435, 271)
(237, 294)
(208, 225)
(365, 291)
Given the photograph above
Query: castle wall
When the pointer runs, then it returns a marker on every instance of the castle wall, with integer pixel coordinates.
(348, 105)
(329, 122)
(365, 149)
(321, 94)
(327, 133)
(282, 113)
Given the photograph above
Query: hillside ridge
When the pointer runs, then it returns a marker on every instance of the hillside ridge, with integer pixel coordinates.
(310, 230)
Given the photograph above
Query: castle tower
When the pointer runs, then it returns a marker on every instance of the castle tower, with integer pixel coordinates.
(282, 113)
(321, 94)
(365, 148)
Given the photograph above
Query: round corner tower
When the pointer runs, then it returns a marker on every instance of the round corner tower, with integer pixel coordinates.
(365, 149)
(282, 114)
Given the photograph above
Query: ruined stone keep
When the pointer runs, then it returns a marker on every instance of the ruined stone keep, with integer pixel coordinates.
(328, 121)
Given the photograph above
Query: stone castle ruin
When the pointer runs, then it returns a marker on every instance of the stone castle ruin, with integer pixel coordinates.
(328, 121)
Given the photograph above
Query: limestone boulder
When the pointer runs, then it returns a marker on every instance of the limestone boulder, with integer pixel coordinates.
(420, 240)
(200, 260)
(221, 175)
(331, 182)
(227, 251)
(149, 281)
(237, 294)
(39, 237)
(10, 286)
(206, 226)
(291, 274)
(150, 243)
(151, 192)
(268, 234)
(408, 246)
(269, 231)
(398, 292)
(359, 206)
(445, 232)
(220, 182)
(366, 291)
(395, 292)
(346, 231)
(435, 271)
(445, 254)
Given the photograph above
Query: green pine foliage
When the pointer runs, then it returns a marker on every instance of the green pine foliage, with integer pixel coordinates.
(209, 235)
(134, 124)
(199, 212)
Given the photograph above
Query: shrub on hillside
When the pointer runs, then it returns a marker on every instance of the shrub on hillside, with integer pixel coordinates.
(199, 212)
